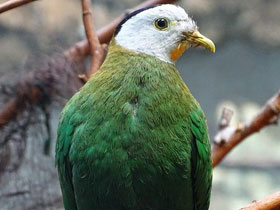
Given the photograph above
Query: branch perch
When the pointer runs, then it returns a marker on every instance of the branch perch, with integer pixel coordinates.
(75, 53)
(96, 50)
(17, 105)
(229, 137)
(82, 48)
(13, 4)
(271, 202)
(225, 119)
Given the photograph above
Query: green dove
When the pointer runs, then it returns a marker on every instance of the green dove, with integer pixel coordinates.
(134, 137)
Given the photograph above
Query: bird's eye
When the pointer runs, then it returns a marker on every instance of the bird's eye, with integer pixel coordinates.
(161, 23)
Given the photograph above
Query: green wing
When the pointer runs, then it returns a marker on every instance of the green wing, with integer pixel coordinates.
(201, 161)
(64, 136)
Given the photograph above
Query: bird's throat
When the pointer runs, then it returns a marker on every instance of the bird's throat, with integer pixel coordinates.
(176, 53)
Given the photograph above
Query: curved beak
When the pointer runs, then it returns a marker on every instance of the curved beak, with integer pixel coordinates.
(197, 39)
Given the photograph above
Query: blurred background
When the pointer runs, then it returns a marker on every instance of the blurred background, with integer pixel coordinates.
(242, 75)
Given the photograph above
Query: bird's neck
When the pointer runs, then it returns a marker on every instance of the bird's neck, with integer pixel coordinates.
(139, 86)
(132, 74)
(126, 60)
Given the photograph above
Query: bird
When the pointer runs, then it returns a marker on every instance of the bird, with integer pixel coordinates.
(133, 137)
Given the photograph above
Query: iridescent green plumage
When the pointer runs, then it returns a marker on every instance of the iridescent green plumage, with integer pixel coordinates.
(134, 138)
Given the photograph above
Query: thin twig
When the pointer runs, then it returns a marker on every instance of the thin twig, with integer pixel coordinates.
(8, 5)
(225, 118)
(233, 136)
(97, 51)
(82, 49)
(223, 124)
(271, 202)
(75, 53)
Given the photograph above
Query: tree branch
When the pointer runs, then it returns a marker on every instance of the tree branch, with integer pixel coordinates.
(17, 105)
(13, 4)
(271, 202)
(75, 53)
(229, 137)
(82, 49)
(96, 50)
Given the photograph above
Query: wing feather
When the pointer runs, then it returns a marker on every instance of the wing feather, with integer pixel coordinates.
(201, 161)
(63, 145)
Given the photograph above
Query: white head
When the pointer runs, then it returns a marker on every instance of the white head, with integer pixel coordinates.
(164, 31)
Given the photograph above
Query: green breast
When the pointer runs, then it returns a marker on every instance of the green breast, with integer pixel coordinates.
(131, 142)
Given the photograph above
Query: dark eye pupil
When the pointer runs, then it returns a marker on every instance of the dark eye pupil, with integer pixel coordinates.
(161, 23)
